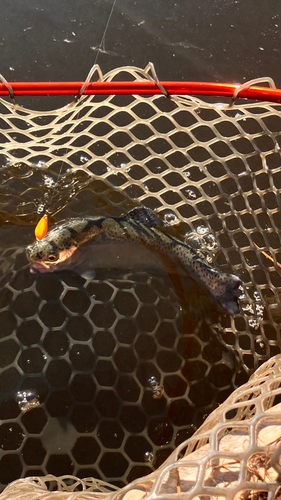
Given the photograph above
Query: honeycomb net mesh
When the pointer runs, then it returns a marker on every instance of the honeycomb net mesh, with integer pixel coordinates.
(104, 378)
(235, 454)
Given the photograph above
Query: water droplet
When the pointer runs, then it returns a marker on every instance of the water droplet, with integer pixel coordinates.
(27, 400)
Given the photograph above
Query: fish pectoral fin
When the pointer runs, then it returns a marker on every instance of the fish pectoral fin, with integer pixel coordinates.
(231, 292)
(89, 275)
(144, 216)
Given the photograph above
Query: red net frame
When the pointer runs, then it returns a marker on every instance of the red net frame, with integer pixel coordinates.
(247, 90)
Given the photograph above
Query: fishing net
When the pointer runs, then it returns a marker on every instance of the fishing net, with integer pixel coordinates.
(235, 455)
(106, 377)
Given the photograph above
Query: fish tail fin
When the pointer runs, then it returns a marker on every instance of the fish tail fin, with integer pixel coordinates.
(145, 216)
(228, 293)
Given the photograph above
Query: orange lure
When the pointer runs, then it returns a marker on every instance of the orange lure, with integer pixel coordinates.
(268, 256)
(41, 228)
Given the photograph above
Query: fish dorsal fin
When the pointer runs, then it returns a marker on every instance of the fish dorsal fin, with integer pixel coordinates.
(145, 216)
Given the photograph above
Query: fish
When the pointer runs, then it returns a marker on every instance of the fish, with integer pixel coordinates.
(62, 248)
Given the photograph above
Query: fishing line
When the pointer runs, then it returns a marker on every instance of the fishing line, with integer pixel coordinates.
(44, 220)
(105, 30)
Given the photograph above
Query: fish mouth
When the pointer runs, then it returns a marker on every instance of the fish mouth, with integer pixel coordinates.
(39, 268)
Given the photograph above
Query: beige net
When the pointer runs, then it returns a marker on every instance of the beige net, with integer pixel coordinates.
(213, 173)
(211, 169)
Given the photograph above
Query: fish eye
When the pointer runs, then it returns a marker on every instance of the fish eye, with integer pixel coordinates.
(52, 257)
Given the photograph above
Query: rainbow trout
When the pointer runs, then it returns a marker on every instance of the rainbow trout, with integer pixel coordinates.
(62, 245)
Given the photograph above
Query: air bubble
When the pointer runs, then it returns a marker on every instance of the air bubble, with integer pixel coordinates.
(248, 308)
(257, 296)
(40, 209)
(202, 230)
(211, 243)
(171, 219)
(191, 195)
(254, 323)
(84, 159)
(48, 181)
(157, 389)
(27, 400)
(260, 342)
(148, 457)
(260, 311)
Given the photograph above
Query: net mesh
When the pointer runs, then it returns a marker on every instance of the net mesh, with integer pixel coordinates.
(213, 173)
(212, 169)
(235, 455)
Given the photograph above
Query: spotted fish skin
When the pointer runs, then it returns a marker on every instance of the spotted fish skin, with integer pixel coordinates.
(141, 226)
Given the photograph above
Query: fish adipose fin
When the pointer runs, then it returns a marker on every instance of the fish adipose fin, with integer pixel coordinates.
(144, 216)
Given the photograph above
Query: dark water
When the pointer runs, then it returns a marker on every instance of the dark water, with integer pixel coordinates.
(205, 40)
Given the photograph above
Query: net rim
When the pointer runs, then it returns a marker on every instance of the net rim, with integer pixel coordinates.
(147, 84)
(141, 87)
